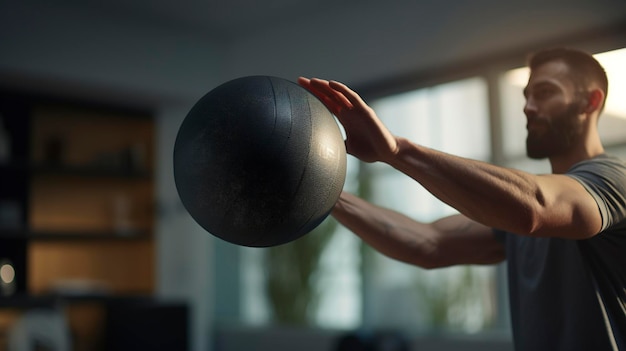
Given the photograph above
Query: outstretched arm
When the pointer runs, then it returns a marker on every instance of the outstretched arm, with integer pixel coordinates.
(448, 241)
(522, 203)
(519, 202)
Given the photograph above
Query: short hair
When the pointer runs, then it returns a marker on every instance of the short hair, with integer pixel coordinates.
(584, 69)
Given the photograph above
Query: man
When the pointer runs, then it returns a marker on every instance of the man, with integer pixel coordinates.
(562, 234)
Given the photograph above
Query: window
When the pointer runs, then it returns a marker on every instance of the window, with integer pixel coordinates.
(453, 118)
(335, 284)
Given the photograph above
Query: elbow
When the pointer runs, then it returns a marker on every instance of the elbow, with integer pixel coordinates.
(430, 265)
(430, 258)
(529, 221)
(543, 223)
(532, 225)
(426, 263)
(531, 217)
(424, 254)
(420, 259)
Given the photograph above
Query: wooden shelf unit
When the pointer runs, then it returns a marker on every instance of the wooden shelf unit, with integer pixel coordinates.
(79, 190)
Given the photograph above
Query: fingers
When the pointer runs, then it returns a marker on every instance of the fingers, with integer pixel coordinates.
(319, 93)
(354, 98)
(325, 87)
(331, 97)
(304, 82)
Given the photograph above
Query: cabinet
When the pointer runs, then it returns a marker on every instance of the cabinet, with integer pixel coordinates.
(76, 225)
(77, 198)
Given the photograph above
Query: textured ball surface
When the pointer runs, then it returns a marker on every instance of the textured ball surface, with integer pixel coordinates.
(259, 161)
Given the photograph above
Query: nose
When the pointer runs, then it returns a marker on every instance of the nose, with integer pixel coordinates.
(530, 108)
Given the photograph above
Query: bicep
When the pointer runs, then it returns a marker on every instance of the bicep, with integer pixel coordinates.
(566, 210)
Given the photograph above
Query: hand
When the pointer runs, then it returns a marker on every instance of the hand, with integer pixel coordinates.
(366, 137)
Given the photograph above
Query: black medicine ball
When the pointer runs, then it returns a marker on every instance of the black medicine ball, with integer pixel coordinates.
(259, 161)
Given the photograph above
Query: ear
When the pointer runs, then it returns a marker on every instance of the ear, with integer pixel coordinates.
(593, 101)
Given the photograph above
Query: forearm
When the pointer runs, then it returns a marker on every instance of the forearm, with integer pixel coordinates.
(491, 195)
(448, 241)
(389, 232)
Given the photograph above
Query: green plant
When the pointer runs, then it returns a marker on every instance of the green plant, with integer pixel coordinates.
(291, 268)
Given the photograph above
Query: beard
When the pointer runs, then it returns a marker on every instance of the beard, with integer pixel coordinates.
(553, 136)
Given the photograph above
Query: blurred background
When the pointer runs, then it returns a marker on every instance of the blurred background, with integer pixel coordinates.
(96, 250)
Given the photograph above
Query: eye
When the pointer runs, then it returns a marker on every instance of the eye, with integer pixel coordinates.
(544, 93)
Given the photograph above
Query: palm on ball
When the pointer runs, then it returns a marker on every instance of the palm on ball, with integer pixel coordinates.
(367, 138)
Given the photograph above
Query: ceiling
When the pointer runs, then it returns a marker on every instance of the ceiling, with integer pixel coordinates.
(218, 18)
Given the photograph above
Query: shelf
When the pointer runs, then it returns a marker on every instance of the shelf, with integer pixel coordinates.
(28, 301)
(89, 235)
(90, 172)
(77, 171)
(16, 234)
(80, 197)
(52, 300)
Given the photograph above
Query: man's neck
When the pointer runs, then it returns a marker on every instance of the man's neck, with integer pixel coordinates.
(561, 164)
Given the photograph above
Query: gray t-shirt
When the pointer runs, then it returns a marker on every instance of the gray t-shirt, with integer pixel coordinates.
(571, 294)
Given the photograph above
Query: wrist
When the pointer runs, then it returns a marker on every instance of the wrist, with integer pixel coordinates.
(406, 155)
(403, 146)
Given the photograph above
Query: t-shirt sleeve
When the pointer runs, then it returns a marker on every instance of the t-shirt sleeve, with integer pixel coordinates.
(605, 180)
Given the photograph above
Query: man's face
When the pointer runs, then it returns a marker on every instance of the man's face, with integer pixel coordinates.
(552, 112)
